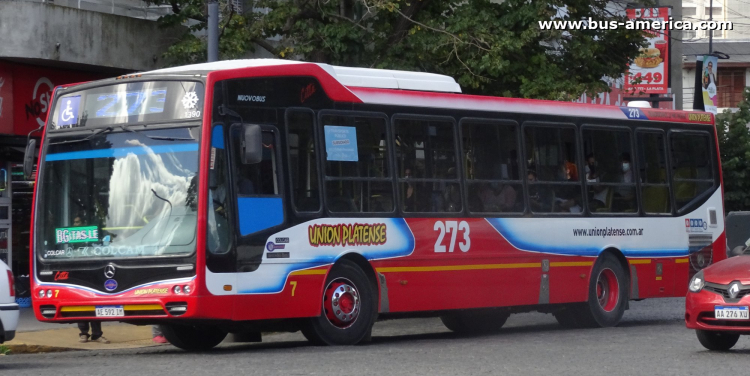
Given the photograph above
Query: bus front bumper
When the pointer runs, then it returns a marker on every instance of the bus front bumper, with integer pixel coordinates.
(115, 309)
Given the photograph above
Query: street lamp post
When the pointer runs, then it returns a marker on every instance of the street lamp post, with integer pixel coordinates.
(213, 30)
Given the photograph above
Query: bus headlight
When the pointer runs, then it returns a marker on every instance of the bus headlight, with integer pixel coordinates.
(176, 289)
(49, 293)
(186, 289)
(41, 293)
(697, 283)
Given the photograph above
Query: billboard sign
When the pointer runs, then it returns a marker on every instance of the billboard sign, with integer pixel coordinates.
(709, 84)
(649, 71)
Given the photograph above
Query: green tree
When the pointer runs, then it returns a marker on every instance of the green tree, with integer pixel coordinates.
(489, 47)
(734, 144)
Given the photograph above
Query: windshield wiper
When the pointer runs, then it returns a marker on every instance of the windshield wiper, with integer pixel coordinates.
(170, 211)
(162, 138)
(105, 130)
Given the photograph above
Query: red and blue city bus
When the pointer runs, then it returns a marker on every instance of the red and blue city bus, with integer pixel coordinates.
(263, 195)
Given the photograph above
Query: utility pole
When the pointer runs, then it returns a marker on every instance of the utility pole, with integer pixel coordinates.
(213, 30)
(710, 32)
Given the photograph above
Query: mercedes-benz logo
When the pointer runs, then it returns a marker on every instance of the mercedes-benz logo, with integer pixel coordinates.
(109, 271)
(734, 289)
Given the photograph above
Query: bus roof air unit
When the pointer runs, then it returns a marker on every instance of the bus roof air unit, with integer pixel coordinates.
(356, 77)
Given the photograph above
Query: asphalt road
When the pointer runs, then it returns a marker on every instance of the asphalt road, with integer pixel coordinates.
(652, 340)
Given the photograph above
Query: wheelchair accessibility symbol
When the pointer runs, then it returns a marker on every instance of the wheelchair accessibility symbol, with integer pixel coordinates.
(67, 114)
(69, 111)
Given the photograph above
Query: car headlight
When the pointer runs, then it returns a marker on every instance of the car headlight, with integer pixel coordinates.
(697, 283)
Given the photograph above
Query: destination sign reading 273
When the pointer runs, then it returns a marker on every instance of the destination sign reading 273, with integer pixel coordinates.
(135, 102)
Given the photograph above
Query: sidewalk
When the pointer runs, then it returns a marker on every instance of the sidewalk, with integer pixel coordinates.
(33, 336)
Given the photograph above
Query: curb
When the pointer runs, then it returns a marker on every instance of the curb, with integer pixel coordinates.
(23, 348)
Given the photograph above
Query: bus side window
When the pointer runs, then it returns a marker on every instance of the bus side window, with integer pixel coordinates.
(652, 162)
(490, 158)
(608, 169)
(303, 166)
(554, 184)
(427, 165)
(259, 179)
(357, 164)
(692, 166)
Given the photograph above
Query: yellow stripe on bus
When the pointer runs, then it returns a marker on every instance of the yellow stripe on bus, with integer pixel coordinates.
(77, 309)
(142, 307)
(444, 268)
(450, 268)
(681, 261)
(571, 263)
(639, 261)
(309, 272)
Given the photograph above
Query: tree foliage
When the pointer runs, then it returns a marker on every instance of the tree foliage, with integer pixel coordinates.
(489, 47)
(734, 144)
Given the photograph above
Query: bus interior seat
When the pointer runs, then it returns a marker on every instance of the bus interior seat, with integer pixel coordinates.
(342, 205)
(607, 208)
(656, 199)
(381, 203)
(684, 191)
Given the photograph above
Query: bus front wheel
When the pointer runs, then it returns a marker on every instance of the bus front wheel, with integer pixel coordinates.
(349, 308)
(193, 337)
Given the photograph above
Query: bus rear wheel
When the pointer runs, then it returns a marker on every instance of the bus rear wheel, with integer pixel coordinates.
(193, 337)
(717, 341)
(348, 308)
(475, 322)
(607, 298)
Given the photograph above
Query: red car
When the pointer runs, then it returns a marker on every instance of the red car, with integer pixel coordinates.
(718, 301)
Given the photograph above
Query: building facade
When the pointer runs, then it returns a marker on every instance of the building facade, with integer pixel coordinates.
(43, 44)
(733, 74)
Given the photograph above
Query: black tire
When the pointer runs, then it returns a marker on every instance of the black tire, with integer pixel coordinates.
(594, 312)
(193, 337)
(597, 316)
(323, 330)
(475, 322)
(717, 341)
(569, 316)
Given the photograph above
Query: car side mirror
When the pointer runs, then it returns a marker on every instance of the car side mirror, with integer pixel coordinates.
(28, 159)
(252, 144)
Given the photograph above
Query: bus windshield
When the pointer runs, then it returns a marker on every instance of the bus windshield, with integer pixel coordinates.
(118, 193)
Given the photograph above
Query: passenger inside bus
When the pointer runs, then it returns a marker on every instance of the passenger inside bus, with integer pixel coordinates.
(624, 200)
(566, 197)
(497, 197)
(540, 197)
(600, 196)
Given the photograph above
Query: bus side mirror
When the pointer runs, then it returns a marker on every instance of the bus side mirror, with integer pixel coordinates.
(28, 159)
(252, 144)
